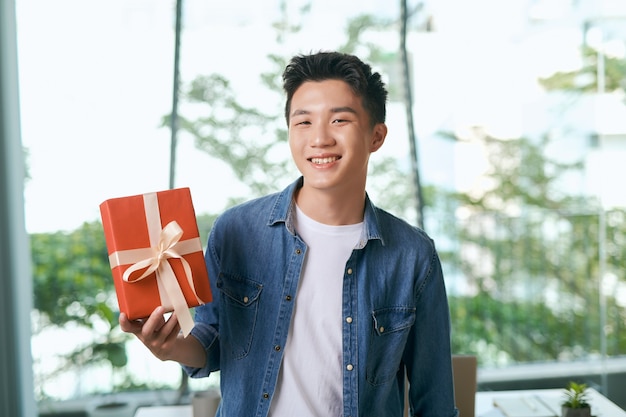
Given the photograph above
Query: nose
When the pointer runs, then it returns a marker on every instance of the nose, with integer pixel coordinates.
(321, 136)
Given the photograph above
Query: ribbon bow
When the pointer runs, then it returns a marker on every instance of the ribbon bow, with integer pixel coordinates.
(168, 239)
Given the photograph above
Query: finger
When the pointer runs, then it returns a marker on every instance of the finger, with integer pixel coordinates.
(129, 326)
(154, 323)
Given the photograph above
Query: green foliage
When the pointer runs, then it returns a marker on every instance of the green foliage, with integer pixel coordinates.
(108, 351)
(585, 80)
(205, 222)
(72, 277)
(529, 253)
(285, 25)
(389, 188)
(503, 331)
(73, 290)
(522, 175)
(576, 396)
(242, 136)
(357, 29)
(252, 143)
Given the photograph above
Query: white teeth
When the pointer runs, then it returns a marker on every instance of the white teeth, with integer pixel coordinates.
(323, 160)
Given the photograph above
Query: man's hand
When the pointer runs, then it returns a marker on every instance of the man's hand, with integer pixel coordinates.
(159, 334)
(164, 339)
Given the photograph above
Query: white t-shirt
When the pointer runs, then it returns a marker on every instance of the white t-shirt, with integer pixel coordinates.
(310, 377)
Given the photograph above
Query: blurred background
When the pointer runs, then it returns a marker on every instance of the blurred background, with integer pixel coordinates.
(507, 142)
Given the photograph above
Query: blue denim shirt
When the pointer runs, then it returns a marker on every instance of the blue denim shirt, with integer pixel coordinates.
(395, 312)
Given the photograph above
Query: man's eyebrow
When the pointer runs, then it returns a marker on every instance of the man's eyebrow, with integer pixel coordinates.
(344, 109)
(299, 112)
(341, 109)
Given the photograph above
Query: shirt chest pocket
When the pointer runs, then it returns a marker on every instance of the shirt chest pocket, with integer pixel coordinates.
(391, 327)
(239, 300)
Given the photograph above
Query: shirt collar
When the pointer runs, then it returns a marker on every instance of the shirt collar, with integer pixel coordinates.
(284, 211)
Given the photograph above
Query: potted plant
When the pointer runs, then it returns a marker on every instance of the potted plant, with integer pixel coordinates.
(576, 402)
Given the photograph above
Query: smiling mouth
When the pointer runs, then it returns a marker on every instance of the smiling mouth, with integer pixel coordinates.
(327, 160)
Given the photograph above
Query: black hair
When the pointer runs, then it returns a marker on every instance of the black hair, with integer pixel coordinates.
(338, 66)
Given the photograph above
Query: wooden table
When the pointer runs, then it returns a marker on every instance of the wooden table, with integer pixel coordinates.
(600, 405)
(165, 411)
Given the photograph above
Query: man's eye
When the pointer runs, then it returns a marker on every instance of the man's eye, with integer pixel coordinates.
(299, 121)
(340, 121)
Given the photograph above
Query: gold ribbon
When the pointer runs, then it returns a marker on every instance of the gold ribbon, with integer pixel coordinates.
(165, 243)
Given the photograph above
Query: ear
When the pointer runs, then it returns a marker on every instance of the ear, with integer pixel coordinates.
(379, 133)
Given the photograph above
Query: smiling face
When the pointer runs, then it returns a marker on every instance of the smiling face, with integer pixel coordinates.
(331, 139)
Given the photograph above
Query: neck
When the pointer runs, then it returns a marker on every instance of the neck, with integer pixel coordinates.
(331, 208)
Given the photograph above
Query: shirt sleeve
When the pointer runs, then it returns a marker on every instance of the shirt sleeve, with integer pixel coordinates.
(428, 356)
(206, 328)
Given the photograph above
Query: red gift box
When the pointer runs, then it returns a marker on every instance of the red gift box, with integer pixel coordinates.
(155, 254)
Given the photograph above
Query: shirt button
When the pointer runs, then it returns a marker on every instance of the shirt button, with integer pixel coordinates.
(349, 271)
(349, 367)
(288, 298)
(348, 320)
(381, 329)
(277, 348)
(298, 251)
(266, 395)
(245, 299)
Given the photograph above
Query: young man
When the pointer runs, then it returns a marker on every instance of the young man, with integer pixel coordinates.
(322, 301)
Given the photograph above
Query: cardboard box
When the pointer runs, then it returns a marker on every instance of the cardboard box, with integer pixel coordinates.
(155, 253)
